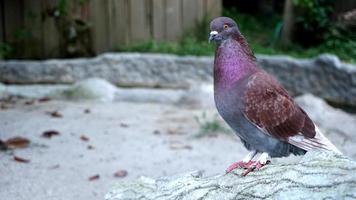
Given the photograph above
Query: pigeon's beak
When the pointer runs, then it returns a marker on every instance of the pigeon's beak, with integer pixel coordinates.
(212, 35)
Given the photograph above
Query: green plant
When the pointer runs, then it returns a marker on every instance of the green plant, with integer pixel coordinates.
(6, 50)
(209, 126)
(313, 21)
(261, 33)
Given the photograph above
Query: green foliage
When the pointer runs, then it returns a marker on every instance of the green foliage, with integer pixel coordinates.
(209, 126)
(262, 34)
(187, 46)
(313, 21)
(6, 50)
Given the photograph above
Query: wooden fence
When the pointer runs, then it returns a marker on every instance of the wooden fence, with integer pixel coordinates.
(57, 28)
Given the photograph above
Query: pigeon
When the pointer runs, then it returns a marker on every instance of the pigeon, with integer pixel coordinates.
(252, 102)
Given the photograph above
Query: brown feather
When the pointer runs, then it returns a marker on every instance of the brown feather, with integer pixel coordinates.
(270, 107)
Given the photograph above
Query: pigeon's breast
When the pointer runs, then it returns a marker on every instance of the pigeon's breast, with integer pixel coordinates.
(230, 101)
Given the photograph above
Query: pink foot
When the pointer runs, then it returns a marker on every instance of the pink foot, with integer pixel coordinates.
(256, 165)
(239, 164)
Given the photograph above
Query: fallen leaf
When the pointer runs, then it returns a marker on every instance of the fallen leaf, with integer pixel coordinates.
(54, 166)
(90, 147)
(3, 107)
(17, 142)
(50, 133)
(21, 160)
(120, 174)
(123, 125)
(31, 102)
(84, 138)
(156, 132)
(55, 114)
(3, 146)
(175, 131)
(87, 111)
(44, 99)
(95, 177)
(177, 145)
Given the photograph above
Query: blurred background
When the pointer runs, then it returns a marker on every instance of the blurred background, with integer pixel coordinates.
(95, 93)
(62, 28)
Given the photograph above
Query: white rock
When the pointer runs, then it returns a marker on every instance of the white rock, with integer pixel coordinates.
(89, 89)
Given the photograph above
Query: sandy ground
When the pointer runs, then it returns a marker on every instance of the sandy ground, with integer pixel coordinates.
(145, 139)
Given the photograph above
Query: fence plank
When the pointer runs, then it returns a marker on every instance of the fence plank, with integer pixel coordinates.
(33, 23)
(189, 14)
(158, 20)
(112, 22)
(118, 20)
(200, 10)
(13, 22)
(138, 25)
(2, 31)
(99, 19)
(173, 19)
(213, 8)
(50, 35)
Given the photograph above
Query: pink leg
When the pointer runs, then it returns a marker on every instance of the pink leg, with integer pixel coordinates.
(262, 161)
(239, 164)
(257, 165)
(245, 163)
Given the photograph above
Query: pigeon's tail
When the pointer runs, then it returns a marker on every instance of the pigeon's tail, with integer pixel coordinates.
(319, 141)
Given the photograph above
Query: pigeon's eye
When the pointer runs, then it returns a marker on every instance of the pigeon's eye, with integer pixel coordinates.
(226, 26)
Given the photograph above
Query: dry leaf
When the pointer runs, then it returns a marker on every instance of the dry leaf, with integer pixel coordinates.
(95, 177)
(84, 138)
(21, 160)
(31, 102)
(156, 132)
(175, 145)
(3, 107)
(175, 131)
(120, 174)
(44, 99)
(55, 114)
(17, 142)
(50, 133)
(123, 125)
(54, 166)
(3, 146)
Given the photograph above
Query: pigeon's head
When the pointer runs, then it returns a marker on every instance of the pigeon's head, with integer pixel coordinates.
(223, 28)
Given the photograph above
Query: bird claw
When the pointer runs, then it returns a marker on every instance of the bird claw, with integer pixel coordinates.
(239, 164)
(255, 165)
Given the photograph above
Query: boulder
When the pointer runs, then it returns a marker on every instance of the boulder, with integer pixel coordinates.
(318, 175)
(88, 89)
(324, 76)
(3, 92)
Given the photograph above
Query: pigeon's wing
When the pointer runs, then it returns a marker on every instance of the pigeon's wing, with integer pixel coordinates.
(270, 108)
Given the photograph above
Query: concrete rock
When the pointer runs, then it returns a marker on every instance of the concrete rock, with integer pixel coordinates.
(35, 90)
(319, 175)
(89, 89)
(3, 92)
(144, 95)
(324, 76)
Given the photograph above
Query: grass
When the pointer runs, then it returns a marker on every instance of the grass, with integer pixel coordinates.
(210, 126)
(262, 34)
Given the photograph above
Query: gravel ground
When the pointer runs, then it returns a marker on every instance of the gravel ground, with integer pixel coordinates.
(98, 139)
(140, 138)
